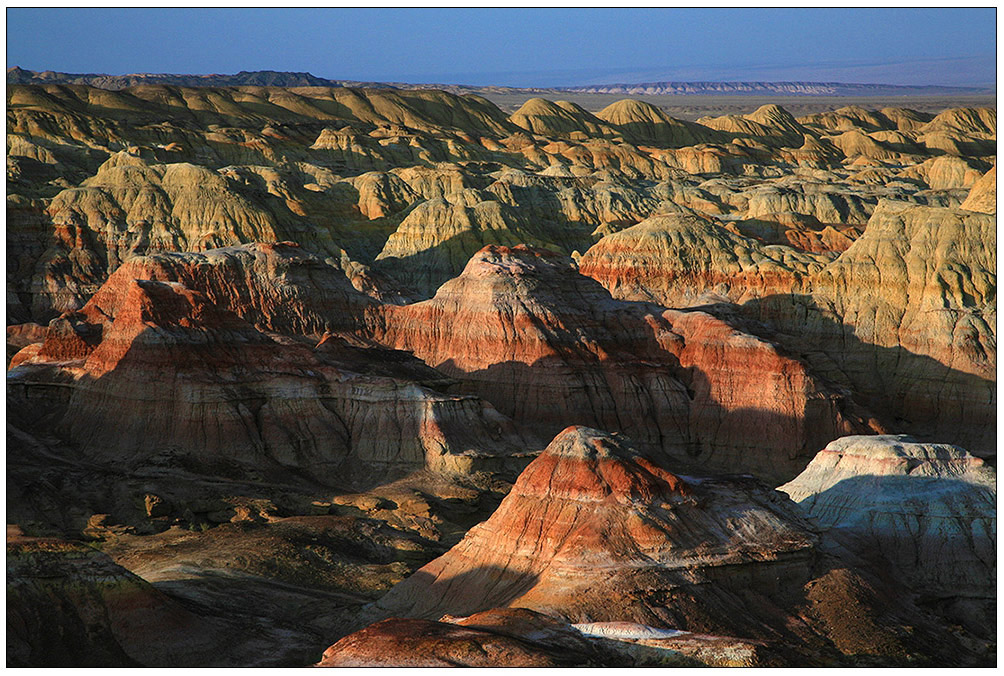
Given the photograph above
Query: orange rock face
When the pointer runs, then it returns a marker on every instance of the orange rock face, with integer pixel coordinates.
(276, 287)
(682, 260)
(593, 534)
(549, 347)
(423, 643)
(154, 369)
(592, 513)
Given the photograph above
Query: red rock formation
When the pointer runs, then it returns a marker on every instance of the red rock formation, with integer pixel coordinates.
(154, 369)
(676, 260)
(255, 365)
(799, 232)
(592, 514)
(20, 336)
(277, 287)
(550, 347)
(891, 319)
(642, 551)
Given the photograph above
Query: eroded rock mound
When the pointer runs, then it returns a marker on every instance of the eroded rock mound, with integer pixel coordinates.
(769, 124)
(928, 512)
(593, 532)
(424, 643)
(893, 313)
(550, 347)
(276, 287)
(206, 287)
(679, 260)
(983, 195)
(169, 374)
(906, 318)
(592, 511)
(560, 119)
(645, 124)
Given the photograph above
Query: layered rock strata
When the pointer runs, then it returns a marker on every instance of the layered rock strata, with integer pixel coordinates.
(166, 373)
(100, 176)
(550, 347)
(926, 511)
(594, 532)
(904, 317)
(591, 508)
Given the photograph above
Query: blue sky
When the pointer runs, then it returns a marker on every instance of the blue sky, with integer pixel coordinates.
(517, 47)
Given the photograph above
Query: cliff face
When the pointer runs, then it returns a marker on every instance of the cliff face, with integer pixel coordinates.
(550, 347)
(152, 368)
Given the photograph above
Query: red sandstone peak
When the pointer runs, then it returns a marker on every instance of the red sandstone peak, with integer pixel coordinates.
(550, 347)
(117, 321)
(587, 464)
(591, 513)
(170, 325)
(274, 286)
(526, 301)
(171, 304)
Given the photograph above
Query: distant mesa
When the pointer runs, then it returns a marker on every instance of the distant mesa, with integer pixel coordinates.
(272, 78)
(258, 78)
(768, 89)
